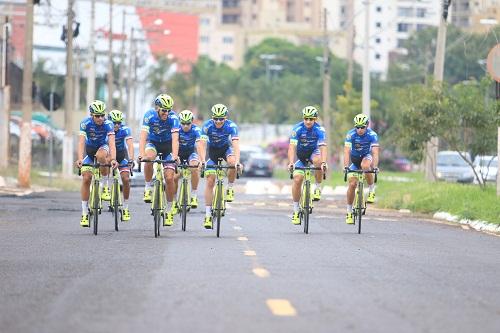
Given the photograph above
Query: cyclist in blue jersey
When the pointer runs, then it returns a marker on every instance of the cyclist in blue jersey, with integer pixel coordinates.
(160, 134)
(308, 143)
(97, 139)
(361, 151)
(124, 155)
(190, 150)
(221, 136)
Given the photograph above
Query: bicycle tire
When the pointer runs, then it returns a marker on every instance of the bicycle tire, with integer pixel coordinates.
(95, 208)
(360, 207)
(184, 207)
(307, 193)
(218, 206)
(116, 196)
(157, 208)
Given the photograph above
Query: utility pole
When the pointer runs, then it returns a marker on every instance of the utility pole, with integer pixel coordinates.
(91, 57)
(68, 97)
(131, 81)
(110, 61)
(122, 64)
(5, 98)
(24, 163)
(366, 61)
(433, 145)
(350, 40)
(267, 58)
(326, 80)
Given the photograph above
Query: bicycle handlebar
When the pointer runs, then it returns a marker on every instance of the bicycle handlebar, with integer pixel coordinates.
(307, 168)
(95, 165)
(156, 160)
(359, 172)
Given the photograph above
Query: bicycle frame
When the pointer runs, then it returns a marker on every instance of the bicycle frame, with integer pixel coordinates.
(359, 204)
(116, 202)
(184, 196)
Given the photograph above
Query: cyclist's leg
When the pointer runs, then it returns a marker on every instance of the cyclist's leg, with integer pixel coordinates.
(169, 173)
(351, 189)
(209, 194)
(231, 175)
(366, 165)
(194, 160)
(318, 174)
(102, 156)
(125, 176)
(85, 189)
(150, 154)
(298, 178)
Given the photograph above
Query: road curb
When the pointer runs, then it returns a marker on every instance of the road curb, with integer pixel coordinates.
(475, 224)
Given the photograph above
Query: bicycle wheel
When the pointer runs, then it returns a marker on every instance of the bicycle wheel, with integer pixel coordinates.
(218, 206)
(115, 200)
(359, 207)
(157, 212)
(95, 206)
(184, 203)
(307, 194)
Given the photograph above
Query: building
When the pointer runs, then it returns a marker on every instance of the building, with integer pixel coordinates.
(468, 14)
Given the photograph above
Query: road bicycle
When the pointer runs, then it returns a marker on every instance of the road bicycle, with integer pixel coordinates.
(116, 202)
(184, 195)
(219, 202)
(159, 202)
(95, 202)
(306, 202)
(359, 204)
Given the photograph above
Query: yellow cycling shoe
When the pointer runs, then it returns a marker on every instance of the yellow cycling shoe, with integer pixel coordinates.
(84, 222)
(371, 197)
(317, 195)
(126, 215)
(208, 222)
(147, 196)
(349, 218)
(106, 194)
(174, 210)
(296, 218)
(169, 219)
(229, 195)
(194, 202)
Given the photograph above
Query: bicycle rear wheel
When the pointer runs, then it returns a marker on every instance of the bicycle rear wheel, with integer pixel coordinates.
(184, 204)
(307, 199)
(116, 202)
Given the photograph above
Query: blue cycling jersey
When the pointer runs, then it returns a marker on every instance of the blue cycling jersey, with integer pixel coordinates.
(160, 130)
(96, 135)
(361, 145)
(122, 135)
(219, 137)
(308, 139)
(188, 139)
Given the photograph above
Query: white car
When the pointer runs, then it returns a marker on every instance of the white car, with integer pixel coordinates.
(452, 167)
(487, 167)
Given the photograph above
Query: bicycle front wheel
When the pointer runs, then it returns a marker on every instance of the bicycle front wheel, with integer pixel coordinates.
(157, 211)
(115, 202)
(359, 207)
(218, 206)
(184, 204)
(307, 199)
(96, 204)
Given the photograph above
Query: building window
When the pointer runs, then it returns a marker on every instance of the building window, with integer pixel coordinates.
(377, 40)
(421, 12)
(421, 26)
(342, 9)
(230, 3)
(204, 21)
(401, 43)
(378, 25)
(405, 11)
(204, 39)
(403, 27)
(227, 40)
(307, 19)
(379, 9)
(230, 18)
(377, 56)
(227, 57)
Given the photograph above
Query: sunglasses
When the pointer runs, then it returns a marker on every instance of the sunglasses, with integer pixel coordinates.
(185, 124)
(310, 119)
(360, 127)
(117, 123)
(219, 119)
(99, 116)
(164, 110)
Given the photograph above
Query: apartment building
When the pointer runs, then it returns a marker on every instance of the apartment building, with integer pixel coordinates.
(469, 15)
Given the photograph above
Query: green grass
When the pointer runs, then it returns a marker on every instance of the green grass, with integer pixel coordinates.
(39, 180)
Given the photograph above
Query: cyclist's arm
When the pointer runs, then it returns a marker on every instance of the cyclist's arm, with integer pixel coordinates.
(200, 149)
(81, 146)
(347, 155)
(236, 149)
(175, 144)
(375, 154)
(112, 146)
(292, 148)
(130, 147)
(142, 142)
(324, 153)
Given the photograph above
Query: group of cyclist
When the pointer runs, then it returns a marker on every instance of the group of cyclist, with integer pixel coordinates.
(174, 135)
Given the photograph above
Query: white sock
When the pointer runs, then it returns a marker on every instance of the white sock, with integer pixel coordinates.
(106, 181)
(194, 193)
(295, 207)
(317, 186)
(371, 188)
(230, 185)
(169, 205)
(125, 204)
(85, 207)
(208, 211)
(147, 186)
(349, 208)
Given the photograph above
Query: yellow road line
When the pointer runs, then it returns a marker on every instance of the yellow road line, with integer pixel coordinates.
(249, 253)
(465, 227)
(281, 307)
(261, 272)
(237, 227)
(242, 238)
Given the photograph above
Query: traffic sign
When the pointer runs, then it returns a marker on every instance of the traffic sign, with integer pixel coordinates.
(493, 62)
(51, 98)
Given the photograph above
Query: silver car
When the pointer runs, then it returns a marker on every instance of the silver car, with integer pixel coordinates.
(453, 168)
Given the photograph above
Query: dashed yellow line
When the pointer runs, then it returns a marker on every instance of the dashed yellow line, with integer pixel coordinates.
(242, 238)
(249, 253)
(281, 307)
(261, 272)
(237, 227)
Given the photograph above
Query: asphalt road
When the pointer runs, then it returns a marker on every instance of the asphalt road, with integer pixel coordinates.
(402, 274)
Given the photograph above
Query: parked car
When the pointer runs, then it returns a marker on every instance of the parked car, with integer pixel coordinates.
(246, 152)
(402, 164)
(487, 166)
(453, 168)
(259, 164)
